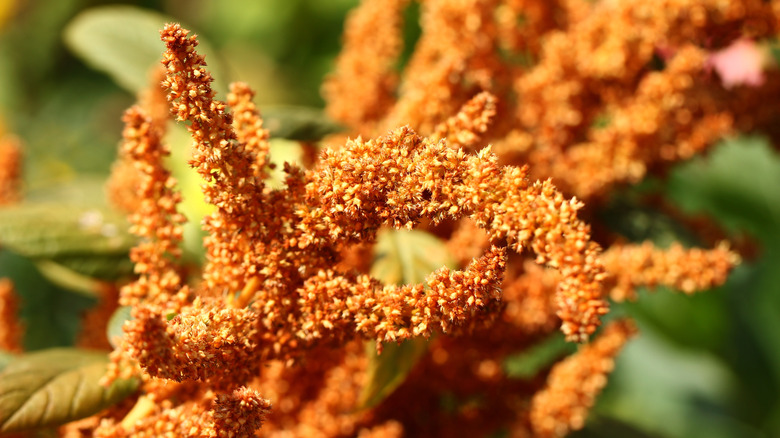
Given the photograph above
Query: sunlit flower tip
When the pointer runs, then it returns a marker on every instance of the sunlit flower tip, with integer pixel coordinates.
(686, 269)
(464, 129)
(239, 413)
(573, 384)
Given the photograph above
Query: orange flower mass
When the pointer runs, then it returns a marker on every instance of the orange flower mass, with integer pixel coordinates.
(280, 245)
(282, 305)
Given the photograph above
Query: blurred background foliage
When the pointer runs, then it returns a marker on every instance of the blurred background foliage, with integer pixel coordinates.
(704, 365)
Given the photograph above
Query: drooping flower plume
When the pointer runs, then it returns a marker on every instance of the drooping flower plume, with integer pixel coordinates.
(271, 331)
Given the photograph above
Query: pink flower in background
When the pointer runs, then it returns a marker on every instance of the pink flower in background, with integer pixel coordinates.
(740, 63)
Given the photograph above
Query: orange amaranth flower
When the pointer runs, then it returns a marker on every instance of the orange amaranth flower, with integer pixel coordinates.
(401, 178)
(464, 129)
(362, 87)
(455, 58)
(689, 270)
(157, 219)
(574, 383)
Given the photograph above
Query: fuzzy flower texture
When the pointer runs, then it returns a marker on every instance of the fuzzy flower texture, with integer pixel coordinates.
(281, 308)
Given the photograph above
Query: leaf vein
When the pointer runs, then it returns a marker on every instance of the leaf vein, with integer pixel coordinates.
(76, 394)
(21, 408)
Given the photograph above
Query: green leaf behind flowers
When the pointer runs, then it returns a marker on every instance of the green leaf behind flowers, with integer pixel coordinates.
(528, 363)
(90, 241)
(401, 257)
(114, 331)
(720, 186)
(298, 122)
(124, 42)
(52, 387)
(51, 315)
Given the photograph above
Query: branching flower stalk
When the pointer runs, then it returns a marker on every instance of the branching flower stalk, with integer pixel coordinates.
(278, 247)
(279, 311)
(573, 384)
(687, 270)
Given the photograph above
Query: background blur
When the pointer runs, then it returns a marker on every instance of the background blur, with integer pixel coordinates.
(704, 365)
(68, 112)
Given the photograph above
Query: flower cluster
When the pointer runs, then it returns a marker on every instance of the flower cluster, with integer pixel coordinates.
(617, 88)
(155, 218)
(687, 270)
(278, 247)
(604, 93)
(573, 383)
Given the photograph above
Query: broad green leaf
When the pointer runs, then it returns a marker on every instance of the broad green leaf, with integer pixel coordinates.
(193, 206)
(298, 123)
(69, 279)
(51, 315)
(654, 379)
(699, 321)
(82, 190)
(401, 257)
(627, 214)
(407, 257)
(90, 241)
(529, 362)
(387, 371)
(734, 326)
(91, 265)
(124, 41)
(114, 331)
(736, 183)
(52, 387)
(73, 129)
(754, 354)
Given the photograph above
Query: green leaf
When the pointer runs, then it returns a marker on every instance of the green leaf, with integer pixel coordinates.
(124, 41)
(529, 362)
(407, 257)
(83, 190)
(755, 335)
(114, 331)
(193, 206)
(68, 278)
(51, 314)
(401, 257)
(699, 321)
(52, 387)
(387, 371)
(90, 241)
(736, 183)
(690, 390)
(298, 122)
(628, 214)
